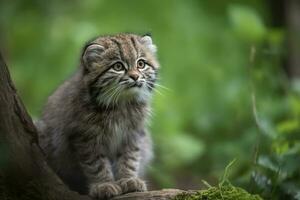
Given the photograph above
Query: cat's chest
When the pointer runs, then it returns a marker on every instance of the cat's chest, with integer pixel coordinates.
(120, 123)
(111, 129)
(118, 129)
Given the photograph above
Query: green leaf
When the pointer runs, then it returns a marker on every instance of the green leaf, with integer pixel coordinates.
(288, 126)
(246, 23)
(181, 149)
(266, 162)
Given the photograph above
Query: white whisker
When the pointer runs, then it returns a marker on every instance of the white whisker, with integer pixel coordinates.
(155, 89)
(159, 85)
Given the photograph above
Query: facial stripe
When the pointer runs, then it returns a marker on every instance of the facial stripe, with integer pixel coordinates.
(134, 52)
(119, 45)
(95, 89)
(97, 77)
(129, 52)
(134, 46)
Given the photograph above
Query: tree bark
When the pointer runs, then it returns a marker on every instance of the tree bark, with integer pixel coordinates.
(285, 14)
(24, 173)
(164, 194)
(293, 32)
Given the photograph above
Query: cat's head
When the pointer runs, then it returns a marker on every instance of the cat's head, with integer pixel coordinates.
(120, 68)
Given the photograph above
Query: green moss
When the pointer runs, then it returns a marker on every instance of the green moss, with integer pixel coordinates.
(223, 192)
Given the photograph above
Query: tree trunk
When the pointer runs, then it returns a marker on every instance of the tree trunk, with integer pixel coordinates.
(293, 27)
(285, 14)
(24, 173)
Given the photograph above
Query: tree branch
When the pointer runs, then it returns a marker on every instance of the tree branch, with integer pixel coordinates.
(152, 195)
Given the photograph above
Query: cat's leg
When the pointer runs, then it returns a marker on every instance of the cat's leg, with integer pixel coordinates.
(127, 169)
(98, 170)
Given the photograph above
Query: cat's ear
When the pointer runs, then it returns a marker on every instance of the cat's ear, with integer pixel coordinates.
(147, 41)
(91, 55)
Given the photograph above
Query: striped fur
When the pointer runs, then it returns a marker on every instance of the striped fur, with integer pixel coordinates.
(93, 127)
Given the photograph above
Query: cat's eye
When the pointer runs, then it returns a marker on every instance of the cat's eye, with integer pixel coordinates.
(141, 64)
(118, 66)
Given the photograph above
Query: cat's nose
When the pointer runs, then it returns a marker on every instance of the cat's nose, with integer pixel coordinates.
(133, 75)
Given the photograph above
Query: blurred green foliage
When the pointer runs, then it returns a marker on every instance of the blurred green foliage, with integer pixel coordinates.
(205, 118)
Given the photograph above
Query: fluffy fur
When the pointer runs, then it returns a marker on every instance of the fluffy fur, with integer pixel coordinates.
(93, 128)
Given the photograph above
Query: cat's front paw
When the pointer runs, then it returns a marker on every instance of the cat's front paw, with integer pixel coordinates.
(105, 190)
(132, 185)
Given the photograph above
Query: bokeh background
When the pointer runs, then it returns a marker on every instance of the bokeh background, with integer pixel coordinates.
(231, 69)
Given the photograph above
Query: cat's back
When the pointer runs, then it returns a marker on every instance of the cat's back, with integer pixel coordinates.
(62, 98)
(57, 115)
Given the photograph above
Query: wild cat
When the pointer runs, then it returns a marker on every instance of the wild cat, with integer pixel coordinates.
(93, 127)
